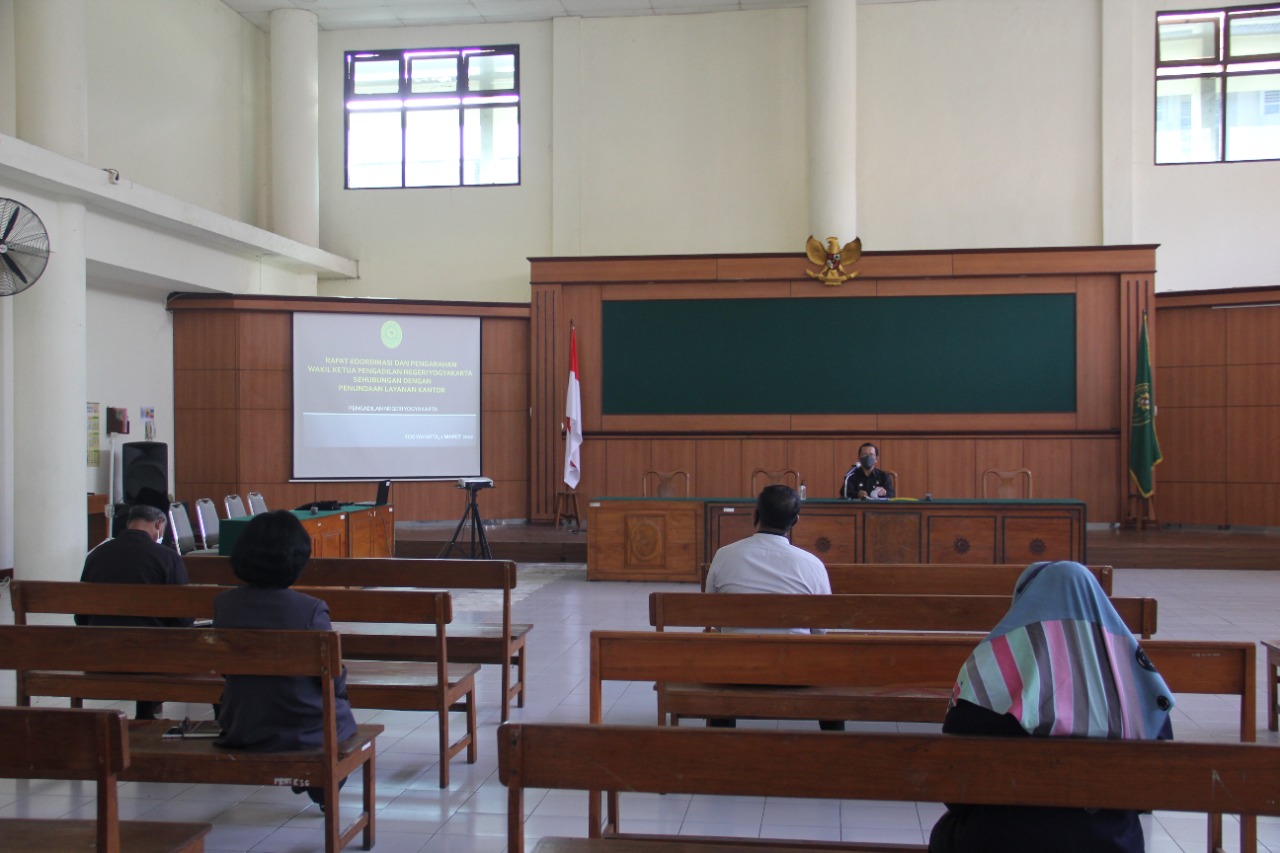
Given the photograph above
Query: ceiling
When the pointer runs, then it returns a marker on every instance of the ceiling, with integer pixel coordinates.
(358, 14)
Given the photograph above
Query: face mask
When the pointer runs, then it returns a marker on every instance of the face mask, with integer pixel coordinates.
(867, 462)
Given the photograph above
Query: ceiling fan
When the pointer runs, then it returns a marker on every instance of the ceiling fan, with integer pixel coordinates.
(24, 247)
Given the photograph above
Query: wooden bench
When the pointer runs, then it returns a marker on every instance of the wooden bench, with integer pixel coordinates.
(856, 612)
(63, 743)
(172, 653)
(501, 644)
(929, 578)
(884, 677)
(400, 668)
(1272, 671)
(1085, 773)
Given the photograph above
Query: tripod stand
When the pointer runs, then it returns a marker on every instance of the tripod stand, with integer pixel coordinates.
(472, 514)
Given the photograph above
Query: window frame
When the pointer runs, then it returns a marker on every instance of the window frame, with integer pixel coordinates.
(1223, 67)
(457, 100)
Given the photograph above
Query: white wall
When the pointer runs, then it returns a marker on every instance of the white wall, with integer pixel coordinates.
(440, 243)
(8, 106)
(178, 101)
(130, 365)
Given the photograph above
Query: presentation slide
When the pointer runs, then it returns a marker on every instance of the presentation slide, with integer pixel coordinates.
(379, 397)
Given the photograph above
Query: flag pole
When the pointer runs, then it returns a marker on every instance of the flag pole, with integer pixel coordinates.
(1144, 446)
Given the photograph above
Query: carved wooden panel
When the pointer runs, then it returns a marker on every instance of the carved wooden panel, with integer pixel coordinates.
(891, 537)
(963, 539)
(1029, 540)
(831, 537)
(644, 540)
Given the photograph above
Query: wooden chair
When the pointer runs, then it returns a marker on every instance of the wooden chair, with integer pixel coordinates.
(1006, 484)
(666, 484)
(762, 477)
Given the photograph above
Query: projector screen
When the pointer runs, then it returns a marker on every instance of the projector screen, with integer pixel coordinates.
(379, 397)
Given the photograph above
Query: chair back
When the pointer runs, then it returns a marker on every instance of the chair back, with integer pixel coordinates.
(762, 477)
(235, 506)
(666, 484)
(180, 524)
(1007, 484)
(207, 519)
(257, 503)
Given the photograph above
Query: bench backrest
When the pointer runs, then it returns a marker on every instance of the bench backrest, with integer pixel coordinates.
(927, 662)
(1141, 775)
(374, 572)
(69, 743)
(857, 612)
(929, 578)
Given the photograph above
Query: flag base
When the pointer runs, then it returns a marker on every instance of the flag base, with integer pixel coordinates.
(1141, 513)
(567, 508)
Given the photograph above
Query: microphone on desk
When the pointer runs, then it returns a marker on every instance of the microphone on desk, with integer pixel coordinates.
(844, 486)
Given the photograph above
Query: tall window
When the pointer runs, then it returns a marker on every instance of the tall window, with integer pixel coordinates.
(1218, 85)
(439, 117)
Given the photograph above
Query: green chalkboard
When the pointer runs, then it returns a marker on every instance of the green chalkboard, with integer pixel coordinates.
(909, 355)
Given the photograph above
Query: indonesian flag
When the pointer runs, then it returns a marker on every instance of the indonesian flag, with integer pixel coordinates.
(573, 418)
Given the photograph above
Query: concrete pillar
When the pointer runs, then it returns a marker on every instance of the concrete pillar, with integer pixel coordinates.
(295, 112)
(832, 118)
(49, 358)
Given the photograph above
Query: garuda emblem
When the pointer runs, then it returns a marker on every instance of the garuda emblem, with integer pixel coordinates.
(832, 258)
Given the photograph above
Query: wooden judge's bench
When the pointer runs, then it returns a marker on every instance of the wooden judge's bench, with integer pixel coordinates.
(665, 539)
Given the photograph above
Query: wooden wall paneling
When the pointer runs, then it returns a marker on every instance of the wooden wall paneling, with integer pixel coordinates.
(1251, 451)
(628, 460)
(204, 340)
(692, 289)
(265, 389)
(1192, 336)
(720, 468)
(815, 459)
(581, 305)
(1095, 464)
(1195, 445)
(265, 340)
(595, 471)
(1252, 504)
(1192, 503)
(546, 446)
(266, 445)
(772, 454)
(207, 450)
(633, 268)
(503, 445)
(1003, 454)
(204, 389)
(1193, 386)
(189, 492)
(1098, 342)
(1250, 385)
(997, 423)
(908, 458)
(1049, 460)
(951, 466)
(1082, 260)
(676, 455)
(1253, 334)
(504, 345)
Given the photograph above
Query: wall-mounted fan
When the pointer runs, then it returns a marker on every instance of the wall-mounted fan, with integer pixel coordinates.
(24, 247)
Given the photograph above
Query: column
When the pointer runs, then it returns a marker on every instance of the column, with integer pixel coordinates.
(832, 118)
(295, 104)
(49, 357)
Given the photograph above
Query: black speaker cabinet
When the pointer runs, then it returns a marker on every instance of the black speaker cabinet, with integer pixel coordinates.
(144, 467)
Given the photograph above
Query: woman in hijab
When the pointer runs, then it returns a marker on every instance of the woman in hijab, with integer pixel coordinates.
(267, 712)
(1061, 663)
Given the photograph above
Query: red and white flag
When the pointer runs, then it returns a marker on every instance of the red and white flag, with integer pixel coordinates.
(573, 418)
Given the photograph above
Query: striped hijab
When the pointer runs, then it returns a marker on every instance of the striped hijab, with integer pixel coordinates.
(1064, 664)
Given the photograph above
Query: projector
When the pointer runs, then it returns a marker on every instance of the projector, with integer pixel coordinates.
(475, 483)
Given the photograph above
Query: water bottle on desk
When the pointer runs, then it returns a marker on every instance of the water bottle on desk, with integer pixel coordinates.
(802, 490)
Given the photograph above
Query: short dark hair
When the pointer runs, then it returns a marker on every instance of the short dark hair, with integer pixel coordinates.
(778, 506)
(143, 512)
(870, 444)
(272, 550)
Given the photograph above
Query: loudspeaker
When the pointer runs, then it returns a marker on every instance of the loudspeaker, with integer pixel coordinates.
(144, 473)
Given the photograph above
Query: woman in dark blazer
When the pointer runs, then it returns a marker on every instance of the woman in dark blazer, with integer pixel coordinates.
(275, 713)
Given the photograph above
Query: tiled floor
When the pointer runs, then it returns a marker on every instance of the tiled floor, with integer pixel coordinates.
(415, 816)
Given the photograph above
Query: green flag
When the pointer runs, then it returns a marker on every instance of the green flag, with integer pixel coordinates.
(1144, 447)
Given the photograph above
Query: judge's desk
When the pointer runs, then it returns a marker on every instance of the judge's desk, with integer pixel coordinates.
(665, 539)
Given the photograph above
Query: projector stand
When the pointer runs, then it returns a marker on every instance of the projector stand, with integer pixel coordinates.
(472, 514)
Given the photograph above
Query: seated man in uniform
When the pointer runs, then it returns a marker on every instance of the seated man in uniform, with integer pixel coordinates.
(767, 562)
(865, 481)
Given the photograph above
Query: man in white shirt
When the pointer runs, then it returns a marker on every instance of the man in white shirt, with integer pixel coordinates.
(767, 562)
